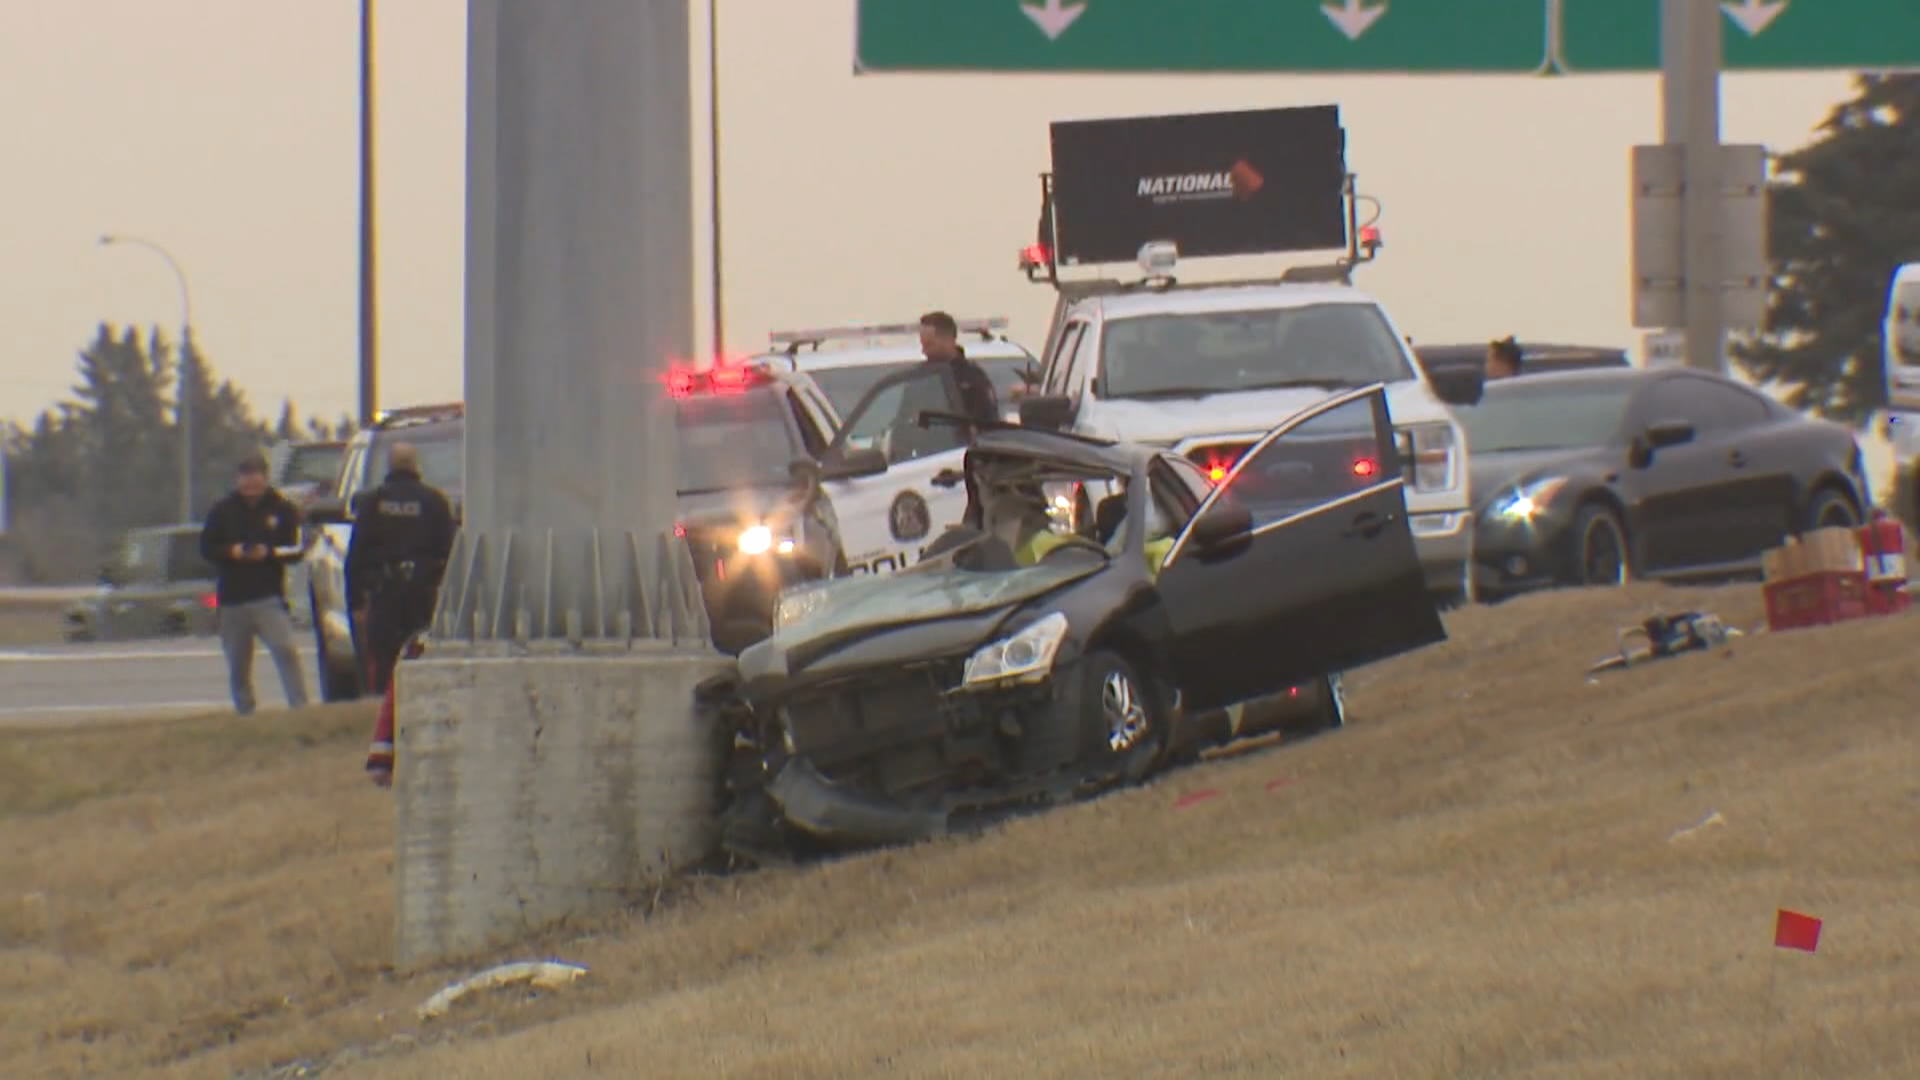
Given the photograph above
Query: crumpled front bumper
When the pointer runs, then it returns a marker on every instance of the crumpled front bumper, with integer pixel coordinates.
(819, 806)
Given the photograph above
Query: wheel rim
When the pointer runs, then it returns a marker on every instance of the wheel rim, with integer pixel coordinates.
(1835, 514)
(1603, 556)
(1126, 714)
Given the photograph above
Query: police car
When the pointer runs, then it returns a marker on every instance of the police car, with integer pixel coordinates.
(754, 506)
(905, 490)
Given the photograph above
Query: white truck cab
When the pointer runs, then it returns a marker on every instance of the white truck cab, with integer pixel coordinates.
(1203, 369)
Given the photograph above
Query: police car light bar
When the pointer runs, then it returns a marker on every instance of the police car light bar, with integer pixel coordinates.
(447, 411)
(794, 338)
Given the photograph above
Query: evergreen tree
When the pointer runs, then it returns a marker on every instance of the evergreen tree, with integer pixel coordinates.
(1843, 214)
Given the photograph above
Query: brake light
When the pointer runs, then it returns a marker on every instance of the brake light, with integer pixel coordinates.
(679, 531)
(209, 601)
(1364, 467)
(728, 380)
(1216, 473)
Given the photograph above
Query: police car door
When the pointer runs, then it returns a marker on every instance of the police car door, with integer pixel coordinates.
(888, 519)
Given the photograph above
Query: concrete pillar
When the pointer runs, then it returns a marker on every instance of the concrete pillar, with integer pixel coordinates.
(549, 762)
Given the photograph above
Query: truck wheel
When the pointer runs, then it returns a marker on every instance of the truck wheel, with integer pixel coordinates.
(338, 682)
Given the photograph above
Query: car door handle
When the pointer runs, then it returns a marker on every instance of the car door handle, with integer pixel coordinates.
(1366, 526)
(1736, 459)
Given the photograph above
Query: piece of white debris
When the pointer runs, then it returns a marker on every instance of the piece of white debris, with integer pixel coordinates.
(544, 974)
(1705, 823)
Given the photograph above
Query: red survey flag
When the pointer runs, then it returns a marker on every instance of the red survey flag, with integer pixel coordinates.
(1792, 930)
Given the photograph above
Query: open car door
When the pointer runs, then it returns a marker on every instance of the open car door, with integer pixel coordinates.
(1300, 562)
(888, 519)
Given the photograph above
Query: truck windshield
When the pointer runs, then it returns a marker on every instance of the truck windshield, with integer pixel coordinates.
(1191, 354)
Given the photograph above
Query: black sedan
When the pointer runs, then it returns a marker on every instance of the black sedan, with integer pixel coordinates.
(1595, 477)
(1020, 663)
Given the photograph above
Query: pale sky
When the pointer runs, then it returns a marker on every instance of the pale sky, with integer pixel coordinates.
(226, 131)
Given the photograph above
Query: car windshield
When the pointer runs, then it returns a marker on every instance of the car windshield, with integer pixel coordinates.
(844, 386)
(314, 465)
(1516, 414)
(1190, 354)
(735, 440)
(442, 450)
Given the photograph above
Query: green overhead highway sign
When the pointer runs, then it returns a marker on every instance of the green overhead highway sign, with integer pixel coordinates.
(1432, 36)
(1361, 36)
(1787, 35)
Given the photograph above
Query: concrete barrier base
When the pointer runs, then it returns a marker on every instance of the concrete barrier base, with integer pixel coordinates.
(535, 784)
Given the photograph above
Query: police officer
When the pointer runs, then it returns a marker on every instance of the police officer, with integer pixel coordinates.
(940, 344)
(402, 536)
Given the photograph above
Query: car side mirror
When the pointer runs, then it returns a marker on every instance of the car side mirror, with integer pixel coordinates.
(1668, 433)
(1223, 530)
(850, 462)
(325, 510)
(804, 472)
(1463, 385)
(1047, 412)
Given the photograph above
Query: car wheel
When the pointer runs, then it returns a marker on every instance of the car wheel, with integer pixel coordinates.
(1124, 715)
(1599, 548)
(1831, 509)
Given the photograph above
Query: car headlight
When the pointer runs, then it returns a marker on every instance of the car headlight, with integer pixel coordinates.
(759, 539)
(1023, 657)
(798, 603)
(1431, 451)
(1526, 501)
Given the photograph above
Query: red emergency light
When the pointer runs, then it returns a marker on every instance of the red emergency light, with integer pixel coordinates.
(1035, 255)
(680, 383)
(1364, 467)
(728, 380)
(209, 601)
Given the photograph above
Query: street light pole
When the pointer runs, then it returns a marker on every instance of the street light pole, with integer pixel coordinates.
(713, 167)
(367, 322)
(183, 392)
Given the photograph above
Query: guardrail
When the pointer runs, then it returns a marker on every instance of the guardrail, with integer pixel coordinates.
(45, 594)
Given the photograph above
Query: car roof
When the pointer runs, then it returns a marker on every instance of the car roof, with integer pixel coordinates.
(811, 360)
(1586, 376)
(1185, 300)
(1101, 454)
(1545, 355)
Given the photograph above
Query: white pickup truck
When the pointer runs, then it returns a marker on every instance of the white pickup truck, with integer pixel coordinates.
(1204, 369)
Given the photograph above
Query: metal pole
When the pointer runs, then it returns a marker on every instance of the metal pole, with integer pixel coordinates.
(713, 167)
(1690, 112)
(182, 393)
(367, 297)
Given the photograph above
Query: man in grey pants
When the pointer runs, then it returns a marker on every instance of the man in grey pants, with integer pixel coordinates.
(250, 536)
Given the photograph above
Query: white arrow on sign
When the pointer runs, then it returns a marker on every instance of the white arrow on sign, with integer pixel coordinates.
(1753, 16)
(1353, 17)
(1053, 17)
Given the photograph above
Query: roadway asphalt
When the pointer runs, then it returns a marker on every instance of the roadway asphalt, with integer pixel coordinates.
(76, 683)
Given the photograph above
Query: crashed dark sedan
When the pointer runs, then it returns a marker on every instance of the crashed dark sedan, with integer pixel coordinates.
(977, 683)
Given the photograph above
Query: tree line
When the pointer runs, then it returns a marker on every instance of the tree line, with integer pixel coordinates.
(107, 459)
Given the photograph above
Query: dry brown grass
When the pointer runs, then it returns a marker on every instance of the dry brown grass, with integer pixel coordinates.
(34, 622)
(1476, 879)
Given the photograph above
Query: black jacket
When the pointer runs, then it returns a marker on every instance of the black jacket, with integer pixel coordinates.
(270, 520)
(402, 520)
(977, 397)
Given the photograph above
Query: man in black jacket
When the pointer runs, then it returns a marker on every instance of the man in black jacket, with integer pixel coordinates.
(940, 343)
(402, 536)
(250, 536)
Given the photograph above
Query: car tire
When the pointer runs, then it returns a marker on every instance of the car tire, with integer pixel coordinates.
(1596, 528)
(1122, 719)
(1830, 508)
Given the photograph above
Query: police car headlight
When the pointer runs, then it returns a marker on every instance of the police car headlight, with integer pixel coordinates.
(755, 541)
(1023, 657)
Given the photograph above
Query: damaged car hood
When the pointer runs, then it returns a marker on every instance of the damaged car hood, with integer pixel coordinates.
(954, 607)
